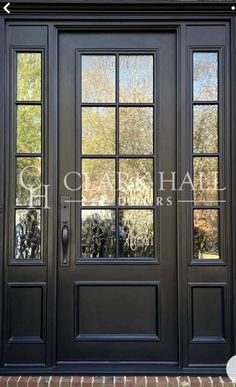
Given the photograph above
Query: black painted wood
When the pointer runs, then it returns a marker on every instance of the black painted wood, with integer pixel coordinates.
(203, 275)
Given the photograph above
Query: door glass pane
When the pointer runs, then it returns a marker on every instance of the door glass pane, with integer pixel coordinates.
(28, 180)
(98, 234)
(136, 130)
(28, 129)
(205, 180)
(98, 130)
(98, 183)
(28, 76)
(98, 78)
(136, 78)
(27, 234)
(205, 76)
(206, 234)
(136, 182)
(136, 235)
(205, 128)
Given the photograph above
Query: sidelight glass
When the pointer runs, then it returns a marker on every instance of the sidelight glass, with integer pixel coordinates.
(28, 129)
(205, 128)
(136, 78)
(136, 235)
(28, 180)
(136, 130)
(98, 78)
(98, 182)
(28, 74)
(27, 234)
(98, 130)
(136, 182)
(205, 180)
(98, 238)
(205, 76)
(206, 234)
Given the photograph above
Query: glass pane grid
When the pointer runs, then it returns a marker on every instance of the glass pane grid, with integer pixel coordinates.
(205, 112)
(121, 155)
(29, 156)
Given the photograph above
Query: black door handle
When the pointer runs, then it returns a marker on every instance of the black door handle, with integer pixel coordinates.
(65, 236)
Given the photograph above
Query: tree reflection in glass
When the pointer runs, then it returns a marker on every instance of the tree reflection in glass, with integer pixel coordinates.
(136, 78)
(27, 234)
(98, 123)
(136, 235)
(136, 130)
(136, 182)
(205, 76)
(98, 234)
(206, 234)
(98, 78)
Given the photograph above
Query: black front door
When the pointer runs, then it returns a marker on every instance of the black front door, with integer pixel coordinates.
(117, 265)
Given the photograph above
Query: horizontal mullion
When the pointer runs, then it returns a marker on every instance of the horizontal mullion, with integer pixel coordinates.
(119, 104)
(206, 155)
(128, 156)
(40, 103)
(118, 207)
(206, 207)
(205, 102)
(28, 155)
(24, 207)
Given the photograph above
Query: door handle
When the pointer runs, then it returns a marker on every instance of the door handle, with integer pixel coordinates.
(65, 236)
(65, 231)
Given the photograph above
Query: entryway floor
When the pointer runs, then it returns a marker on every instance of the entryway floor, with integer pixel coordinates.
(115, 381)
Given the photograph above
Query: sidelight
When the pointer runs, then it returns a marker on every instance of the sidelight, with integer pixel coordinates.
(206, 234)
(205, 76)
(205, 108)
(118, 155)
(28, 155)
(28, 76)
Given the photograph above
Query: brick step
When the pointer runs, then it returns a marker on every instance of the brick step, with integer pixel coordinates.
(115, 381)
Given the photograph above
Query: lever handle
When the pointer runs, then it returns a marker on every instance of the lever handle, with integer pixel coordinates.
(65, 235)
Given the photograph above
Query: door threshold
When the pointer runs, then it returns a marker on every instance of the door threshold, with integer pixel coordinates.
(112, 368)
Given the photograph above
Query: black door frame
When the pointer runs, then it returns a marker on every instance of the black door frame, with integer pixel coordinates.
(174, 19)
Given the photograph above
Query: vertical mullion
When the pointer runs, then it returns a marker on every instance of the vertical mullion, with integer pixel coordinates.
(117, 156)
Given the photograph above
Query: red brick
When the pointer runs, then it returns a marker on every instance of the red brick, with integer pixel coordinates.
(162, 381)
(216, 381)
(76, 381)
(55, 381)
(119, 381)
(43, 381)
(140, 381)
(33, 381)
(3, 381)
(151, 381)
(23, 381)
(109, 381)
(184, 381)
(195, 381)
(12, 381)
(65, 381)
(206, 381)
(130, 381)
(87, 381)
(172, 381)
(98, 381)
(227, 382)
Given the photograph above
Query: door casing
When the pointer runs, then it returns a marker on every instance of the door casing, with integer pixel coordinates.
(157, 23)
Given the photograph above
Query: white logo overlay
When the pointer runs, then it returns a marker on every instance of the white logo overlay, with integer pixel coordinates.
(231, 369)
